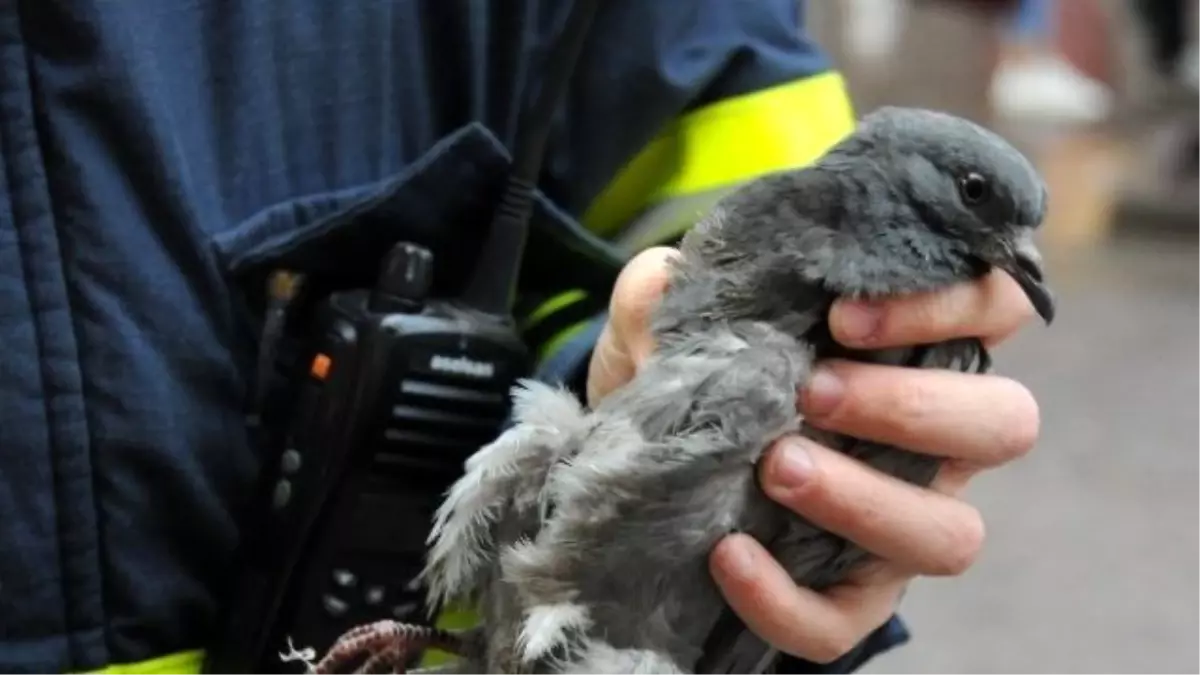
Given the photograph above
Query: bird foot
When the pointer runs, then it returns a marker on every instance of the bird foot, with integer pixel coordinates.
(384, 647)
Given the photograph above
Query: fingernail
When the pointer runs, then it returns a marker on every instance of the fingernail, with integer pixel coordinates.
(859, 320)
(738, 559)
(792, 465)
(823, 393)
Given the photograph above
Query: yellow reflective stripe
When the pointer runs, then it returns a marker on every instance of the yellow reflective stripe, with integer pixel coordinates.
(556, 332)
(192, 662)
(452, 618)
(727, 142)
(552, 305)
(666, 221)
(561, 338)
(182, 663)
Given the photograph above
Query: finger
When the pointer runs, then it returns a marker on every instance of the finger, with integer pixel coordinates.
(992, 308)
(635, 296)
(918, 529)
(625, 340)
(953, 476)
(610, 366)
(982, 419)
(796, 620)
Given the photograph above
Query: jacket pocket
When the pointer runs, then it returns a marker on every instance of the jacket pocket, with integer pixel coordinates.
(444, 201)
(338, 238)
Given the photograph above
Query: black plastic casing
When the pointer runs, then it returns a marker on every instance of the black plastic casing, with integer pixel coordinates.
(377, 437)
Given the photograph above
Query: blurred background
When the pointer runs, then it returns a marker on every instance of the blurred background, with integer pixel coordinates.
(1093, 556)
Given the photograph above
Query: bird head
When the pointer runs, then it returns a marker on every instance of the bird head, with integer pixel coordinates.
(967, 198)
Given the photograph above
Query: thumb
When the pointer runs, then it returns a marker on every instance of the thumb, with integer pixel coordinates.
(626, 341)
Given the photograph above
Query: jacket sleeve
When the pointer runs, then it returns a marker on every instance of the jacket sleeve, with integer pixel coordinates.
(676, 104)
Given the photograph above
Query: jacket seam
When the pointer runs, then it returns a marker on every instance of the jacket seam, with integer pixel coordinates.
(77, 650)
(11, 184)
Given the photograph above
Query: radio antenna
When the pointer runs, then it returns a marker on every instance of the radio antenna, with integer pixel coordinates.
(493, 286)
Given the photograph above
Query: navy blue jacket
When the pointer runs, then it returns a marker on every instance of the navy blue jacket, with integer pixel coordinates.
(156, 152)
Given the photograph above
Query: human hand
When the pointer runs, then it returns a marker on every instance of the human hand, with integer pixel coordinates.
(975, 422)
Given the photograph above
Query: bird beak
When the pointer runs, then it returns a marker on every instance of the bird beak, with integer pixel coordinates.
(1024, 263)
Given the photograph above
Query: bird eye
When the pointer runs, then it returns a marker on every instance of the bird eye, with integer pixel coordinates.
(974, 188)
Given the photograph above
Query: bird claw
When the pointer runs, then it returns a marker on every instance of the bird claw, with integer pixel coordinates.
(388, 646)
(387, 660)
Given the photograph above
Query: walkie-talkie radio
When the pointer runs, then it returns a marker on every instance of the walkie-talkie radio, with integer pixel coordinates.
(395, 389)
(399, 389)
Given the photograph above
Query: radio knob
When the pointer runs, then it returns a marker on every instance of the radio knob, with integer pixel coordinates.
(405, 279)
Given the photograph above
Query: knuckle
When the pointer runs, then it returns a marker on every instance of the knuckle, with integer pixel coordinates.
(964, 542)
(912, 403)
(948, 311)
(917, 316)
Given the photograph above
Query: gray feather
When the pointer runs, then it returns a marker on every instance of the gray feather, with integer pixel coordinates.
(499, 496)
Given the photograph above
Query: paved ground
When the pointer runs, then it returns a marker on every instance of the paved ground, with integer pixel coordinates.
(1091, 561)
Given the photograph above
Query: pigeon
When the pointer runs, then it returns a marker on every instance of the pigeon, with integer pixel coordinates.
(583, 535)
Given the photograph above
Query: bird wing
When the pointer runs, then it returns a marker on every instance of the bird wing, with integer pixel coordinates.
(818, 559)
(499, 491)
(615, 578)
